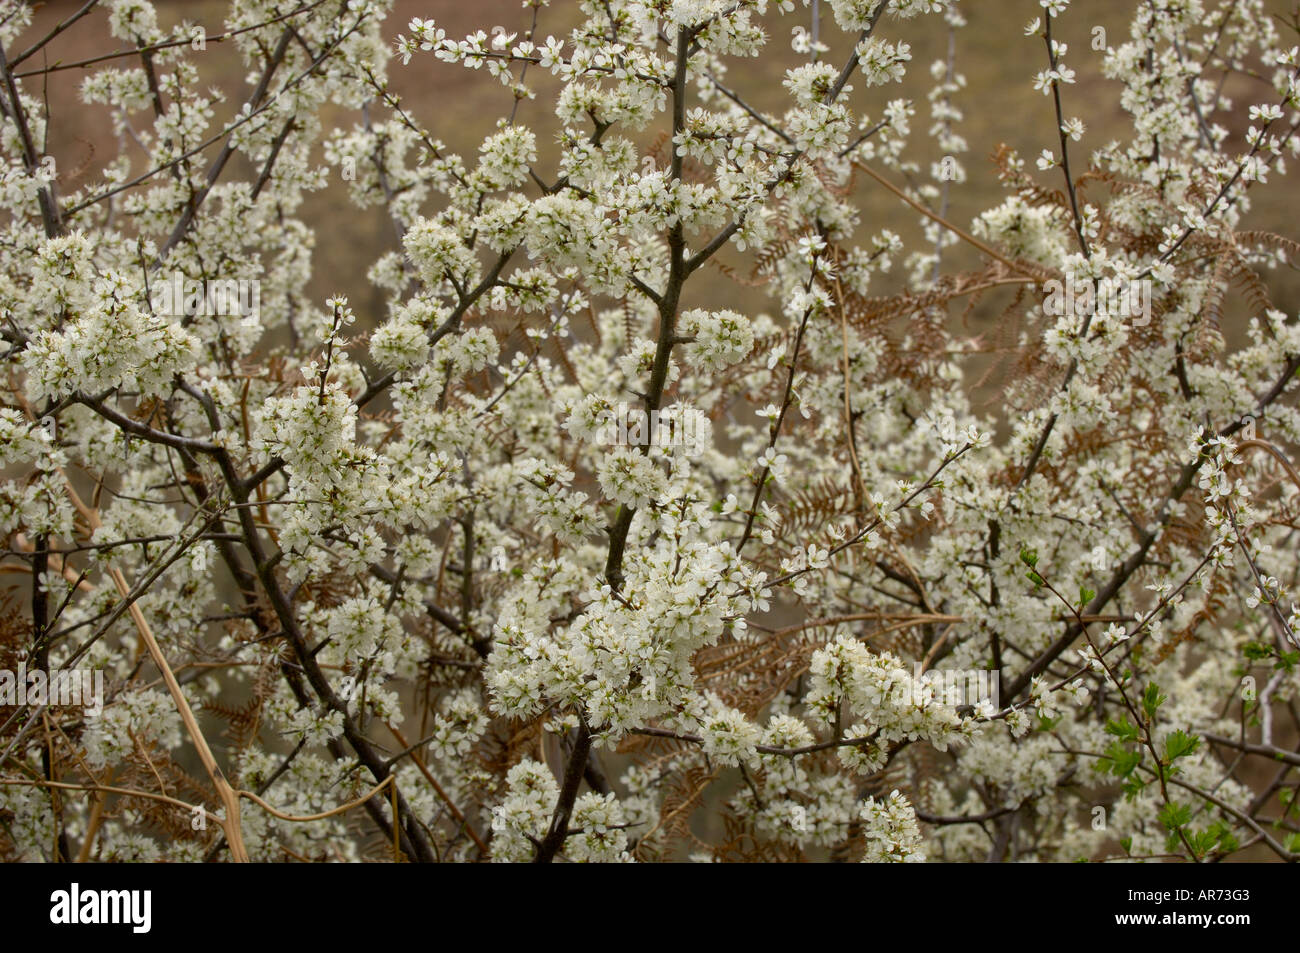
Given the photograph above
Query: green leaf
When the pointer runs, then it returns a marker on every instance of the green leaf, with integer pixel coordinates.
(1036, 579)
(1122, 761)
(1202, 842)
(1029, 557)
(1085, 596)
(1179, 744)
(1152, 700)
(1257, 651)
(1122, 728)
(1175, 814)
(1222, 837)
